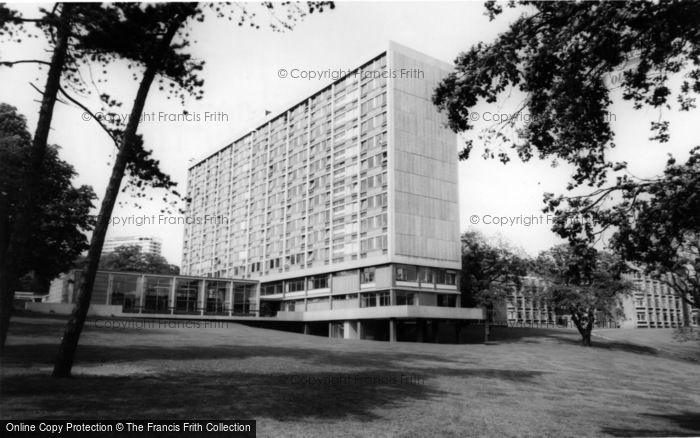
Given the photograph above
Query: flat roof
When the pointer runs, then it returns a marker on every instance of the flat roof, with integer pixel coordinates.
(291, 108)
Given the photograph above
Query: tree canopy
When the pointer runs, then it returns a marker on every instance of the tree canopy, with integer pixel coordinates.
(130, 258)
(582, 283)
(59, 224)
(490, 270)
(64, 215)
(557, 55)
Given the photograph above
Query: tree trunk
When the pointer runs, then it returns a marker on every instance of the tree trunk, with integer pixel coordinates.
(71, 335)
(14, 258)
(586, 339)
(7, 298)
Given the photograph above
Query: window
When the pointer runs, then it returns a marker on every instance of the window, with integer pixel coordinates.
(404, 298)
(406, 273)
(367, 275)
(320, 282)
(368, 300)
(383, 299)
(295, 285)
(425, 275)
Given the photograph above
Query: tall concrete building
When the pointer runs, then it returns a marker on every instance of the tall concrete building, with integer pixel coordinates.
(148, 244)
(344, 206)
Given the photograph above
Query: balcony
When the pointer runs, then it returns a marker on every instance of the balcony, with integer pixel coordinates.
(383, 312)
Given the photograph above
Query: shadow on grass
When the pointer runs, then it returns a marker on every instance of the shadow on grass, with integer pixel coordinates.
(30, 355)
(615, 345)
(503, 335)
(240, 395)
(690, 421)
(45, 353)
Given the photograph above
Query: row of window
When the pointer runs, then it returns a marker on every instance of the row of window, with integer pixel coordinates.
(425, 275)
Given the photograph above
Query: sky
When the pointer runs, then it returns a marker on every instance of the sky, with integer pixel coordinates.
(242, 82)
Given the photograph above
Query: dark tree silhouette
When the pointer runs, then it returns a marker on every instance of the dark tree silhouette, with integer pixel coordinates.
(583, 283)
(64, 214)
(557, 55)
(490, 271)
(155, 37)
(130, 258)
(65, 26)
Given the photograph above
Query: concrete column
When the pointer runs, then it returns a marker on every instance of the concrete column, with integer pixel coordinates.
(307, 329)
(140, 290)
(233, 298)
(229, 298)
(202, 296)
(392, 297)
(360, 335)
(330, 329)
(349, 330)
(392, 330)
(458, 301)
(110, 285)
(171, 303)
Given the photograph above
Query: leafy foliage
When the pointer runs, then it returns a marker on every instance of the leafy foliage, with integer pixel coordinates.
(58, 236)
(583, 283)
(558, 54)
(129, 258)
(489, 270)
(662, 230)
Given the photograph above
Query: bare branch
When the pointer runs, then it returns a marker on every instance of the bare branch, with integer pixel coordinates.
(23, 61)
(94, 117)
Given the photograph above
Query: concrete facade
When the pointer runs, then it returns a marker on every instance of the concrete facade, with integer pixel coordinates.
(346, 201)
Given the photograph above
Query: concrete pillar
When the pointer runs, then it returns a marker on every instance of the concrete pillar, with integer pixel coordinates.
(392, 297)
(392, 330)
(140, 290)
(330, 329)
(349, 330)
(110, 285)
(233, 298)
(202, 296)
(229, 298)
(307, 329)
(360, 335)
(171, 301)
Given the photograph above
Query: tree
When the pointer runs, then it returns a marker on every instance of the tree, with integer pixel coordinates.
(58, 236)
(557, 55)
(155, 37)
(489, 270)
(583, 283)
(662, 230)
(129, 258)
(65, 26)
(489, 273)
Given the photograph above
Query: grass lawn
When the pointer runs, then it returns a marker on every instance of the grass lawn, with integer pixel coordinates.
(528, 382)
